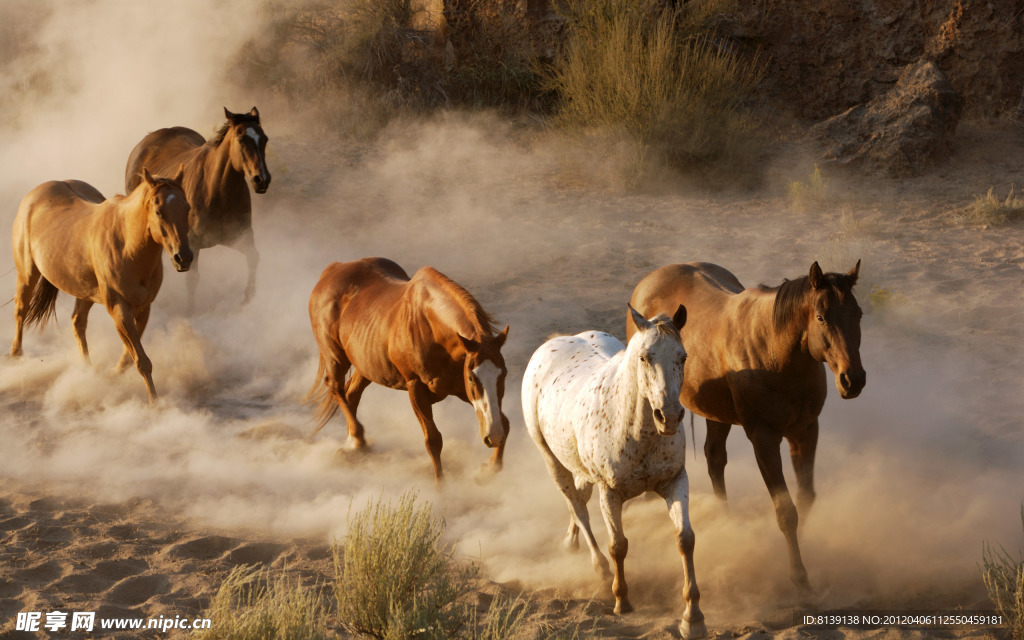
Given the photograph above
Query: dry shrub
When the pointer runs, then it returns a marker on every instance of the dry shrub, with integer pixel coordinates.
(395, 579)
(1004, 578)
(249, 605)
(805, 195)
(666, 78)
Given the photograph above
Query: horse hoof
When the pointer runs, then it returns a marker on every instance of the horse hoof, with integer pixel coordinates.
(623, 606)
(485, 474)
(690, 630)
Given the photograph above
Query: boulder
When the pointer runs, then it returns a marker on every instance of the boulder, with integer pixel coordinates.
(899, 133)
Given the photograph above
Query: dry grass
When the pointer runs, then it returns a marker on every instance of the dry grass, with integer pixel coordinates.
(664, 78)
(1004, 578)
(250, 605)
(395, 579)
(990, 210)
(805, 195)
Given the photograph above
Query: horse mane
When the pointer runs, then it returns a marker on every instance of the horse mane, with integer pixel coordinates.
(790, 295)
(218, 135)
(466, 299)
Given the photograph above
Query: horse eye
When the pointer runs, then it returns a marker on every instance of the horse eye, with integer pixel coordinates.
(643, 359)
(820, 318)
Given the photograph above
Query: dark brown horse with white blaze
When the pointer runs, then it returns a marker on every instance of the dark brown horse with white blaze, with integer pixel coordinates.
(215, 184)
(66, 237)
(756, 359)
(425, 334)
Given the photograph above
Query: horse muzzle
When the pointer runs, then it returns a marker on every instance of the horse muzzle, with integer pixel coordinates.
(667, 424)
(260, 182)
(182, 260)
(851, 383)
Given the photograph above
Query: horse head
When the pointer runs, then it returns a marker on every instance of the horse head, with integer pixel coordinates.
(248, 147)
(660, 358)
(833, 327)
(168, 217)
(484, 372)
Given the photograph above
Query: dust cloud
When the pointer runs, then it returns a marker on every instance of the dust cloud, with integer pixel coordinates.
(912, 476)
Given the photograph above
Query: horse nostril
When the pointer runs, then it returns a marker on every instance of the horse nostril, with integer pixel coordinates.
(659, 415)
(487, 441)
(844, 379)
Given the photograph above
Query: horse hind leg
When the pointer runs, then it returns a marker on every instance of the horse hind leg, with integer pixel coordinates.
(24, 290)
(717, 457)
(354, 388)
(80, 320)
(572, 536)
(677, 498)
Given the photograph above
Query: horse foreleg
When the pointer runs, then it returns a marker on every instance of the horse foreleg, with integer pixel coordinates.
(141, 320)
(618, 545)
(714, 451)
(247, 245)
(422, 405)
(80, 320)
(497, 458)
(801, 451)
(677, 497)
(22, 299)
(124, 320)
(769, 461)
(192, 281)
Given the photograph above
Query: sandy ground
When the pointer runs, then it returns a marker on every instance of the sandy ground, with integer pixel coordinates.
(108, 505)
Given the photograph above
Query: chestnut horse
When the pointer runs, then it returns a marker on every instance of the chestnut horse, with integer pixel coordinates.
(755, 359)
(425, 334)
(215, 175)
(67, 237)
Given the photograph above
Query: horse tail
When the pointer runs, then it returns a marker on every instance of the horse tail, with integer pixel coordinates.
(43, 305)
(320, 394)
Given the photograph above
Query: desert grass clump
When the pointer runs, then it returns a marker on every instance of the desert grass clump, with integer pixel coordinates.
(665, 78)
(990, 210)
(395, 579)
(251, 605)
(1004, 578)
(804, 195)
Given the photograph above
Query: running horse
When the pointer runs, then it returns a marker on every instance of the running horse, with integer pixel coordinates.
(756, 359)
(605, 414)
(214, 182)
(425, 334)
(67, 237)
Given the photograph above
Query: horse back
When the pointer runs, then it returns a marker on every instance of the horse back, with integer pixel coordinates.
(161, 151)
(353, 308)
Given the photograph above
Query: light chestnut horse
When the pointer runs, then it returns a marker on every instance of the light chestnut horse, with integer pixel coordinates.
(67, 237)
(757, 359)
(215, 183)
(606, 415)
(425, 335)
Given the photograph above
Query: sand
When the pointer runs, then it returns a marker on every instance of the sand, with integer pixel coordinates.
(109, 505)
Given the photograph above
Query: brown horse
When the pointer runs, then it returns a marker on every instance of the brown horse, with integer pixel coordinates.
(67, 237)
(755, 359)
(425, 334)
(215, 174)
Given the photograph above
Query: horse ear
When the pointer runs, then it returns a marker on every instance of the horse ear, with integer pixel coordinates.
(230, 116)
(147, 176)
(256, 114)
(181, 173)
(816, 276)
(641, 322)
(499, 339)
(679, 317)
(472, 346)
(854, 272)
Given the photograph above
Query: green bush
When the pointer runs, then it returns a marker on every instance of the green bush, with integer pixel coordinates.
(1004, 578)
(395, 579)
(249, 605)
(665, 78)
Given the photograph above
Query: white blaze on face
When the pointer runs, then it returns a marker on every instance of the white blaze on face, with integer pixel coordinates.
(487, 405)
(251, 132)
(170, 198)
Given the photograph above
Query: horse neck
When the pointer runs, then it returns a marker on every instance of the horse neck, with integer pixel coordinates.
(630, 407)
(453, 312)
(787, 342)
(218, 173)
(131, 219)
